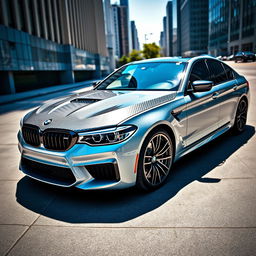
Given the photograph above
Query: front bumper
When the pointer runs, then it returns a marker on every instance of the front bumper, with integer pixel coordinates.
(78, 159)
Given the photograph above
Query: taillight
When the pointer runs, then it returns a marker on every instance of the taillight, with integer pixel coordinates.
(247, 83)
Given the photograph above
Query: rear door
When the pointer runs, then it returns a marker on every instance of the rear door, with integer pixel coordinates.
(202, 110)
(225, 85)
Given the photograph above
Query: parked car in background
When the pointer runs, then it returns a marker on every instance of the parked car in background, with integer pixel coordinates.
(244, 56)
(230, 57)
(130, 128)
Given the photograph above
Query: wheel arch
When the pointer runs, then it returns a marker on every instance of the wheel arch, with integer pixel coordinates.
(165, 127)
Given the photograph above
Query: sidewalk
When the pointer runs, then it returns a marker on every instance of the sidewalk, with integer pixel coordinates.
(10, 98)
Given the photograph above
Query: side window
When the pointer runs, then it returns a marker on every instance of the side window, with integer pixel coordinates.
(199, 72)
(218, 72)
(229, 72)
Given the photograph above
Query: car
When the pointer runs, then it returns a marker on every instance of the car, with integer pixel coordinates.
(230, 57)
(244, 56)
(131, 127)
(224, 57)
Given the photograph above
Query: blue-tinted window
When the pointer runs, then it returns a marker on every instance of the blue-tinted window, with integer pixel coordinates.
(147, 76)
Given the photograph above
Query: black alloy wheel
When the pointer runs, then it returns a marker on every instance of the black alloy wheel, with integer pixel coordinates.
(241, 116)
(155, 161)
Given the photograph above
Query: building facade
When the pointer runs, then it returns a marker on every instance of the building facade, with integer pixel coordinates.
(116, 21)
(46, 42)
(110, 34)
(135, 39)
(163, 38)
(176, 38)
(124, 29)
(169, 29)
(232, 26)
(218, 27)
(242, 26)
(193, 27)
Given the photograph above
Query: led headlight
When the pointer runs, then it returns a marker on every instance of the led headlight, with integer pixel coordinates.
(106, 136)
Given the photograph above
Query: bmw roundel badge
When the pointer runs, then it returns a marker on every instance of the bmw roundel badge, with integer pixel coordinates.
(48, 121)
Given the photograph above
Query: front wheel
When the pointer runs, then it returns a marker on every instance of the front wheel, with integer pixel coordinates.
(241, 117)
(155, 160)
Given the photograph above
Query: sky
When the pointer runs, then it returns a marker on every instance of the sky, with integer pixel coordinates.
(148, 16)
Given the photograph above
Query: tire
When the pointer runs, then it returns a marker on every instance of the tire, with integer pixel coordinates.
(155, 160)
(241, 117)
(235, 61)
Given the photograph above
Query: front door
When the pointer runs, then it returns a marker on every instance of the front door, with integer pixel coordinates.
(202, 110)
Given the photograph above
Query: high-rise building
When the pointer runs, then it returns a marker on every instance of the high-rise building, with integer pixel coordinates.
(124, 30)
(176, 37)
(232, 26)
(110, 33)
(193, 27)
(50, 42)
(169, 29)
(163, 39)
(218, 27)
(242, 26)
(135, 39)
(116, 19)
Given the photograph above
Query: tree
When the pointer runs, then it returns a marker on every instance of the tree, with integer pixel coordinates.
(151, 51)
(123, 60)
(135, 55)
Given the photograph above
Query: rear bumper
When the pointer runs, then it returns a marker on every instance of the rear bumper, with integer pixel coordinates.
(82, 162)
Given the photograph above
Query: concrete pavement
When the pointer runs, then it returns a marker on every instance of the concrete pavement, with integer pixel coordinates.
(207, 207)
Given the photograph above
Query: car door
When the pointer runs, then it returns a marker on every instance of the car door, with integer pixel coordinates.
(202, 110)
(226, 85)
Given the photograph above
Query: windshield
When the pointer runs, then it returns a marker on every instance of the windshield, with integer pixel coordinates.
(146, 76)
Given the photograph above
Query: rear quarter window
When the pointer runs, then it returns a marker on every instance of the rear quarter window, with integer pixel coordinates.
(229, 72)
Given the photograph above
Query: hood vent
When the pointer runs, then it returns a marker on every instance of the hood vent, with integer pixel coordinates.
(84, 100)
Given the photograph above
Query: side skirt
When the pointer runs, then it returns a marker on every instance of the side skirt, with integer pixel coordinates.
(213, 135)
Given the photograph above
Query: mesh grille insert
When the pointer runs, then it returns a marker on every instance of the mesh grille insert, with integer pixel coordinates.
(107, 171)
(50, 173)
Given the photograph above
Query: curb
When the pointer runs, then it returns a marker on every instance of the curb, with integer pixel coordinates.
(11, 98)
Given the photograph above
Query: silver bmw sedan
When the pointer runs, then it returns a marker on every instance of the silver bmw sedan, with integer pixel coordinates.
(130, 127)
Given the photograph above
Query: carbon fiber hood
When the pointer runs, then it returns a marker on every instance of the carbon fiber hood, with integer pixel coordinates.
(96, 108)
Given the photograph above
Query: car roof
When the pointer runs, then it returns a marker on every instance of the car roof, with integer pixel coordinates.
(172, 59)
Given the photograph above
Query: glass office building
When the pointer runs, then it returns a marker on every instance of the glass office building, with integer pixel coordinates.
(193, 27)
(232, 26)
(49, 42)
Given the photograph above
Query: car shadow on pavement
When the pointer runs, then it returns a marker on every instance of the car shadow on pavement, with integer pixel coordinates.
(77, 206)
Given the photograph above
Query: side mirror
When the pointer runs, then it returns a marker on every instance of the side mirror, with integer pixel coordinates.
(94, 84)
(202, 86)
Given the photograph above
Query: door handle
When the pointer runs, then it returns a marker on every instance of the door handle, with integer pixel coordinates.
(235, 87)
(215, 95)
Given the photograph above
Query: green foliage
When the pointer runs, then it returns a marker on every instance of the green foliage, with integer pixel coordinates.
(151, 51)
(123, 60)
(135, 55)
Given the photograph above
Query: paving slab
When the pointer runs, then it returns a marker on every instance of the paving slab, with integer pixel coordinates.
(181, 203)
(14, 213)
(135, 241)
(9, 236)
(9, 169)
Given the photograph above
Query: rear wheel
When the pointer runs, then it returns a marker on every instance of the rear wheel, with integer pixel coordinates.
(241, 116)
(155, 161)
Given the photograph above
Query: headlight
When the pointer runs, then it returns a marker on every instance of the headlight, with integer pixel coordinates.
(106, 136)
